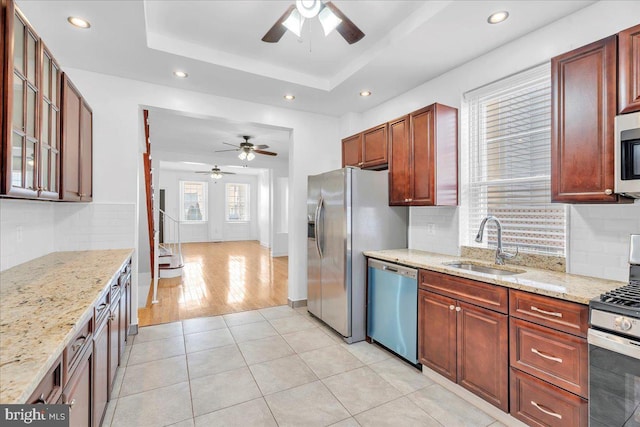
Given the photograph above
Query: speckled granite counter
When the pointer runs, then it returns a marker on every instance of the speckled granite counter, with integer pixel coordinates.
(42, 302)
(565, 286)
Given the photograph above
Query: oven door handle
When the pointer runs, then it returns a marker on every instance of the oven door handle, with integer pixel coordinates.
(614, 343)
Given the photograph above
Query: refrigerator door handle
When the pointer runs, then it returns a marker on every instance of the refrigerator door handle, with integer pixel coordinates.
(317, 226)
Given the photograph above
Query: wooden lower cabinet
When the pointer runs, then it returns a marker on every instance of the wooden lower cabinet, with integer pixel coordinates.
(483, 353)
(100, 372)
(78, 394)
(114, 340)
(538, 403)
(467, 344)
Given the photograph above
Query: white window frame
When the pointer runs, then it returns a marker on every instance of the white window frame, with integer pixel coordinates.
(204, 207)
(247, 209)
(542, 229)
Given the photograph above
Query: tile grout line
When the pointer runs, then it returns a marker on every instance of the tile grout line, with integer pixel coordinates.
(186, 361)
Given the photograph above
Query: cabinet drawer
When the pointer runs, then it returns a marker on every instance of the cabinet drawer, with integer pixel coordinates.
(115, 289)
(50, 388)
(72, 353)
(556, 357)
(562, 315)
(538, 403)
(484, 295)
(124, 273)
(101, 309)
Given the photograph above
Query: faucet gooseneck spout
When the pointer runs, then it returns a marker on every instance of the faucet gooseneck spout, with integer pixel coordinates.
(501, 255)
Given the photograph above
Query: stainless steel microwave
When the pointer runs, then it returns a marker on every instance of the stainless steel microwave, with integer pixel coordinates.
(627, 155)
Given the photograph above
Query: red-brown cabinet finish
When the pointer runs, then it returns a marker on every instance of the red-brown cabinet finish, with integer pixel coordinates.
(629, 70)
(114, 340)
(583, 101)
(483, 353)
(437, 333)
(374, 147)
(428, 159)
(50, 388)
(77, 393)
(399, 154)
(352, 151)
(553, 356)
(540, 404)
(100, 372)
(77, 145)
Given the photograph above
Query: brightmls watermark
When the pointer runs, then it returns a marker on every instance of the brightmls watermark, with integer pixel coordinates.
(34, 415)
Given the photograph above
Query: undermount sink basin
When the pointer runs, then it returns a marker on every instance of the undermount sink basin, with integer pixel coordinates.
(483, 268)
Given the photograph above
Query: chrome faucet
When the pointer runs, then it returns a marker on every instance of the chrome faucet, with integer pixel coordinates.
(501, 255)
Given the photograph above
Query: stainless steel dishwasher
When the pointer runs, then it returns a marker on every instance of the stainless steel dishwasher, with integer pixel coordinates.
(392, 308)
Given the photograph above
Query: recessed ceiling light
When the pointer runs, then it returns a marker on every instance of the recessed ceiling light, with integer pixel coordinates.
(76, 21)
(289, 97)
(498, 17)
(180, 74)
(365, 93)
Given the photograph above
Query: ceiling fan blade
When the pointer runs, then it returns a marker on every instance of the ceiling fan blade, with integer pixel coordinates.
(207, 172)
(233, 145)
(346, 28)
(260, 147)
(268, 153)
(276, 32)
(222, 151)
(228, 173)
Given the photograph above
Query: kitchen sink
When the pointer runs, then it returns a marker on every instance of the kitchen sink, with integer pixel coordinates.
(478, 268)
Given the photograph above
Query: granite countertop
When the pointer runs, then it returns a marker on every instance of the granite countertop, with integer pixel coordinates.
(569, 287)
(42, 303)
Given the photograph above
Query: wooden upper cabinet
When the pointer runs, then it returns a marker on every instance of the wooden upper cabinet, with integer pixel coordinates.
(76, 145)
(629, 70)
(424, 161)
(374, 147)
(399, 156)
(49, 162)
(583, 111)
(352, 151)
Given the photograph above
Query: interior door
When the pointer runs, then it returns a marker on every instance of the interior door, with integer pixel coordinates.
(334, 238)
(314, 264)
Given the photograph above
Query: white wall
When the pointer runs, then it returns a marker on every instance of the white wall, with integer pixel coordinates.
(434, 228)
(264, 208)
(216, 229)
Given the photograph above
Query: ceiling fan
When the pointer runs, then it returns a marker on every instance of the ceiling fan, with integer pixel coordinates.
(248, 149)
(216, 173)
(329, 15)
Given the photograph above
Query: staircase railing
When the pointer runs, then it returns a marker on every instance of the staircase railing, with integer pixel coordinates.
(171, 243)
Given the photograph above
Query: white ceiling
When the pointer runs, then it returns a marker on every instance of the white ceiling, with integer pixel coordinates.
(218, 44)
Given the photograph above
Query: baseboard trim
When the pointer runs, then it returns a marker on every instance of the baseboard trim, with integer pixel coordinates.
(133, 329)
(465, 394)
(297, 303)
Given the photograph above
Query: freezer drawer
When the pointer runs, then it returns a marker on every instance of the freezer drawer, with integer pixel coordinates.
(392, 308)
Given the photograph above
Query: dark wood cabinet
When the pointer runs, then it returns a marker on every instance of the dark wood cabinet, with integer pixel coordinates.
(466, 343)
(101, 383)
(629, 70)
(583, 97)
(114, 340)
(50, 388)
(78, 392)
(437, 339)
(77, 145)
(366, 150)
(423, 149)
(352, 151)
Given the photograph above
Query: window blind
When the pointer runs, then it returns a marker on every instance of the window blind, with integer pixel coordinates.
(506, 156)
(193, 201)
(237, 202)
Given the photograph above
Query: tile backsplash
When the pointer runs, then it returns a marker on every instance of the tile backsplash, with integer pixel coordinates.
(30, 229)
(434, 229)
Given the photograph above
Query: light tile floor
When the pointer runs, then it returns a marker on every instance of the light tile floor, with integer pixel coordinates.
(273, 367)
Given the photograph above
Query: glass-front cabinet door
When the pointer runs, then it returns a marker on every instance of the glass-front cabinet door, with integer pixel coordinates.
(24, 110)
(48, 181)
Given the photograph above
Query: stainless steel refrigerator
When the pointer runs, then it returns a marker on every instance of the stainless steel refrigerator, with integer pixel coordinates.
(348, 212)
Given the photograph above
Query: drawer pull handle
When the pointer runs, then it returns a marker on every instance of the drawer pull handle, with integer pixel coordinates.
(546, 411)
(539, 353)
(101, 307)
(78, 344)
(548, 313)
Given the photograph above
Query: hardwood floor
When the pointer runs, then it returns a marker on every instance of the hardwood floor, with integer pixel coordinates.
(219, 278)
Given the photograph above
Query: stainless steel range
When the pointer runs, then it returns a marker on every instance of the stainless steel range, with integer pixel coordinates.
(614, 351)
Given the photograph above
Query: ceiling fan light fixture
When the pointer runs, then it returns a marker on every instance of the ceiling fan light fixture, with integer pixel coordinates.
(498, 17)
(242, 155)
(250, 156)
(328, 20)
(294, 22)
(308, 8)
(216, 175)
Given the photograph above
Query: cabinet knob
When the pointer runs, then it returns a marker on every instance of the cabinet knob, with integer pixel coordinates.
(73, 402)
(452, 307)
(458, 309)
(112, 317)
(608, 192)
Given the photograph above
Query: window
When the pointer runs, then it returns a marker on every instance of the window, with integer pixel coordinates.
(193, 201)
(506, 164)
(237, 202)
